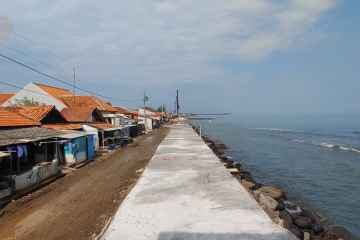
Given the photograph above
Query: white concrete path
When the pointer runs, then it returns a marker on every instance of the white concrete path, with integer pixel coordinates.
(191, 197)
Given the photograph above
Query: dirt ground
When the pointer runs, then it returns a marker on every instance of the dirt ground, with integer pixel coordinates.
(80, 204)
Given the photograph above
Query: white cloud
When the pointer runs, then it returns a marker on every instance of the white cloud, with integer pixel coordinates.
(143, 41)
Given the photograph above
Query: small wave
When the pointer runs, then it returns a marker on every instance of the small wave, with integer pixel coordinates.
(328, 145)
(355, 150)
(272, 129)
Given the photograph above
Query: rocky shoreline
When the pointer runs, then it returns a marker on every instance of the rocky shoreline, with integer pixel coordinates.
(303, 223)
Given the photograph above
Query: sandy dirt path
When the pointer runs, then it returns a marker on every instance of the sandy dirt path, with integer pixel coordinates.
(80, 204)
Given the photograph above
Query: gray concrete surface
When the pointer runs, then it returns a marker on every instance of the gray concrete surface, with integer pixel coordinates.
(191, 197)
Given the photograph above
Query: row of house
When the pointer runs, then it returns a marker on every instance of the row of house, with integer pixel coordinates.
(65, 129)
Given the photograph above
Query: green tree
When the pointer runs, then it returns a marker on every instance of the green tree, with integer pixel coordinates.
(150, 109)
(25, 102)
(159, 109)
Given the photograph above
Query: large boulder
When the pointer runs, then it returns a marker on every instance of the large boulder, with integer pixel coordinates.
(337, 233)
(208, 140)
(309, 215)
(280, 206)
(246, 184)
(287, 218)
(294, 230)
(268, 202)
(301, 221)
(238, 165)
(272, 192)
(292, 208)
(317, 228)
(245, 173)
(221, 146)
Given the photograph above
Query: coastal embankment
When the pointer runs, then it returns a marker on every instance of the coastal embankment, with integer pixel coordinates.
(303, 223)
(185, 192)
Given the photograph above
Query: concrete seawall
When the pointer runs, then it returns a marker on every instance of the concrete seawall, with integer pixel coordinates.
(186, 193)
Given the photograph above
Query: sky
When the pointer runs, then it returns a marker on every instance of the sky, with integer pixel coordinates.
(238, 56)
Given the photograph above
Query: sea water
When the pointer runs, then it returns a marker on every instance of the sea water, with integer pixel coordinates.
(315, 159)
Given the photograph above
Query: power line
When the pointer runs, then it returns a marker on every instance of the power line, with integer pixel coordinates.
(62, 70)
(65, 82)
(69, 62)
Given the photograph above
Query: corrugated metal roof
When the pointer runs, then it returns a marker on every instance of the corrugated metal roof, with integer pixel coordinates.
(73, 134)
(24, 135)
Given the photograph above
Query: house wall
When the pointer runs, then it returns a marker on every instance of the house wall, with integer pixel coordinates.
(142, 111)
(78, 153)
(48, 100)
(91, 130)
(94, 131)
(115, 117)
(90, 119)
(96, 142)
(36, 175)
(5, 192)
(90, 142)
(148, 121)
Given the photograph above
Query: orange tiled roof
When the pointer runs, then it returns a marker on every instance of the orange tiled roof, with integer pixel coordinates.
(54, 91)
(63, 126)
(5, 96)
(9, 119)
(101, 125)
(35, 113)
(86, 101)
(123, 110)
(77, 114)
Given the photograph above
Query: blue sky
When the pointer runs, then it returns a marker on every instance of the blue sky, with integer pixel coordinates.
(239, 56)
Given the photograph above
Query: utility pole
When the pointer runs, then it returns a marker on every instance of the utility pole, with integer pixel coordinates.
(177, 103)
(162, 112)
(146, 127)
(74, 86)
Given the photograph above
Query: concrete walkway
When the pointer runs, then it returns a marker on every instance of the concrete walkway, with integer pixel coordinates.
(190, 197)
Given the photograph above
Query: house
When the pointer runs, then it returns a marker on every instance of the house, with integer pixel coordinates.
(5, 96)
(148, 112)
(9, 120)
(82, 114)
(63, 98)
(129, 114)
(48, 95)
(130, 122)
(49, 117)
(108, 112)
(32, 156)
(77, 146)
(107, 133)
(41, 114)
